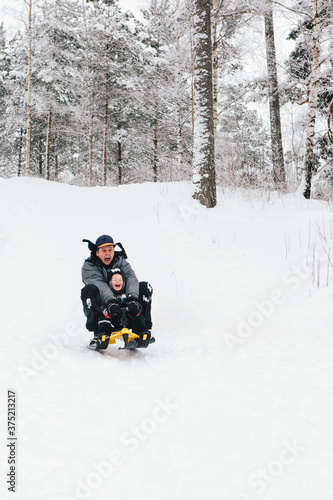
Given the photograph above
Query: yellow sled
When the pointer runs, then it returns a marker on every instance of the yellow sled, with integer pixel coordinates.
(129, 338)
(120, 335)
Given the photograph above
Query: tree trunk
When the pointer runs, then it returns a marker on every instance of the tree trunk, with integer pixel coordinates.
(56, 166)
(90, 139)
(106, 125)
(192, 71)
(90, 104)
(279, 174)
(179, 128)
(48, 144)
(180, 147)
(215, 66)
(155, 153)
(40, 157)
(56, 157)
(19, 170)
(204, 176)
(27, 167)
(313, 95)
(120, 157)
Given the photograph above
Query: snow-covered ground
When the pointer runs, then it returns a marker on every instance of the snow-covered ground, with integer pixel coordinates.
(234, 401)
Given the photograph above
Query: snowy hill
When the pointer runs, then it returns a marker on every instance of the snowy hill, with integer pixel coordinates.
(234, 401)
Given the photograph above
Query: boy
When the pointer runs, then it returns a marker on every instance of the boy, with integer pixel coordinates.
(102, 302)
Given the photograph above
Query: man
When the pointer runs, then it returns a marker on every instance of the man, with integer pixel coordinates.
(102, 304)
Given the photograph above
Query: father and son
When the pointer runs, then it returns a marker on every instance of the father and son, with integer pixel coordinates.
(113, 297)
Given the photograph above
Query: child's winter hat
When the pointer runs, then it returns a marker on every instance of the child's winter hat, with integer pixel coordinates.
(115, 270)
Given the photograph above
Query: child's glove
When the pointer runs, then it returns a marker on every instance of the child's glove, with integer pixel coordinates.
(112, 310)
(133, 307)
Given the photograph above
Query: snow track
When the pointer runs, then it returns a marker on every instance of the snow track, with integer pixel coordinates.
(234, 401)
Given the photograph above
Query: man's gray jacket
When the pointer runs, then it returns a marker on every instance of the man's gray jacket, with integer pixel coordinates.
(95, 273)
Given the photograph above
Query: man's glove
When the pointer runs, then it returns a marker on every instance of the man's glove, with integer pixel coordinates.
(133, 307)
(112, 310)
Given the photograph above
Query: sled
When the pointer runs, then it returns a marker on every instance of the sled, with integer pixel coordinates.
(127, 336)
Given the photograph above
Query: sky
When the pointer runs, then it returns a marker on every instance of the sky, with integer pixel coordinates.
(13, 12)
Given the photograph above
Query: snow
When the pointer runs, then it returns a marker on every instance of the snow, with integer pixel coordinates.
(234, 401)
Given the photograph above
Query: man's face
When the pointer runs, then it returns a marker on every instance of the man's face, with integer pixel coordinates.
(106, 254)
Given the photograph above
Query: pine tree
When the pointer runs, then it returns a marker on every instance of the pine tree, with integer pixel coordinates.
(56, 89)
(15, 117)
(166, 83)
(4, 98)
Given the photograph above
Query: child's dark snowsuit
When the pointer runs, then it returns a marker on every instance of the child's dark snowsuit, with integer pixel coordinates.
(97, 322)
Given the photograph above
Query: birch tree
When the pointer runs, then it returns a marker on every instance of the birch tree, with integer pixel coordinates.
(310, 68)
(313, 95)
(204, 176)
(216, 7)
(279, 174)
(29, 85)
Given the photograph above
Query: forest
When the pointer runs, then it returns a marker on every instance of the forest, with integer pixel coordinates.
(235, 93)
